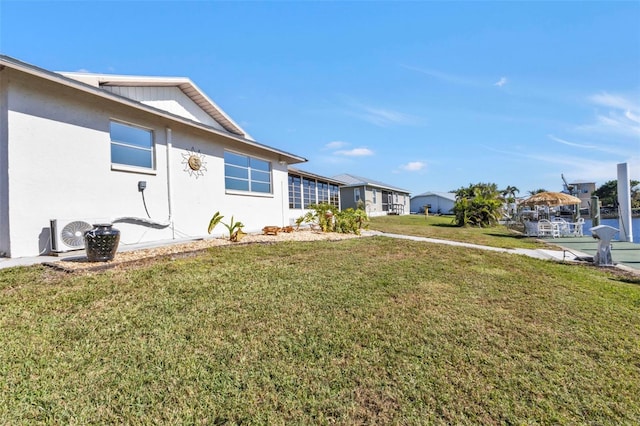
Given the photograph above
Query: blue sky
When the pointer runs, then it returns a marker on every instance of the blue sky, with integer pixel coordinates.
(425, 96)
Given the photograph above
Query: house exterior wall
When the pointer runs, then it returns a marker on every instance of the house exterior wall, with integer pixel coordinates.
(373, 203)
(57, 154)
(366, 193)
(583, 190)
(347, 196)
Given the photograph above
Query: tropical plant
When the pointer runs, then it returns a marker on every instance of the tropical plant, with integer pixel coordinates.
(509, 194)
(608, 193)
(234, 228)
(345, 221)
(478, 205)
(215, 220)
(537, 191)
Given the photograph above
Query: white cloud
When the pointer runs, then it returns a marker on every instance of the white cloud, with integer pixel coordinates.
(501, 82)
(577, 145)
(613, 101)
(383, 117)
(633, 117)
(413, 166)
(621, 120)
(336, 145)
(579, 168)
(449, 78)
(355, 152)
(609, 149)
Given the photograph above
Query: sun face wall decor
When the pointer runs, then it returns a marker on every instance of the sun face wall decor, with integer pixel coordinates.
(194, 163)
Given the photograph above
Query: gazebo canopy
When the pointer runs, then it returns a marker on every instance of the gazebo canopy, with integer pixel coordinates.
(551, 199)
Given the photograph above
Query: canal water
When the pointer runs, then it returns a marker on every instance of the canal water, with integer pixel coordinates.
(635, 227)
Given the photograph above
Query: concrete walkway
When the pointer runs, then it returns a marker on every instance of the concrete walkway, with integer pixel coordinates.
(567, 252)
(536, 253)
(28, 261)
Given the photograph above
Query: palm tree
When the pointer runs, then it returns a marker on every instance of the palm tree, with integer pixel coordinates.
(478, 205)
(509, 197)
(509, 193)
(537, 191)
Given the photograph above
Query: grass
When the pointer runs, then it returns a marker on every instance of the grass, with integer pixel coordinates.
(364, 331)
(443, 227)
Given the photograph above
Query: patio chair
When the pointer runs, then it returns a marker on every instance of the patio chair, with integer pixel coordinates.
(577, 227)
(563, 226)
(547, 229)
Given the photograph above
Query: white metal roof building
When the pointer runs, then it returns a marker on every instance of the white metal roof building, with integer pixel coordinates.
(438, 202)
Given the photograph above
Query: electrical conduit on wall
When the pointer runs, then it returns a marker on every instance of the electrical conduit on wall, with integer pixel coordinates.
(149, 222)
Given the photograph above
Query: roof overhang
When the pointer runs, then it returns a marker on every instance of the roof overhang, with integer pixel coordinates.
(57, 78)
(293, 170)
(187, 86)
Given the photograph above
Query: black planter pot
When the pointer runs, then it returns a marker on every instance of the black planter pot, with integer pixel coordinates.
(101, 242)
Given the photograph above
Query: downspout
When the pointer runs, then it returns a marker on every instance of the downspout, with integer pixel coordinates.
(282, 203)
(5, 227)
(169, 187)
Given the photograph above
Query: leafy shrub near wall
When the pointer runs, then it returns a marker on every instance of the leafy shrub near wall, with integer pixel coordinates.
(345, 222)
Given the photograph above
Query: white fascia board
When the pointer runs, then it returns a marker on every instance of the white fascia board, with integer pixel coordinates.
(294, 171)
(185, 84)
(57, 78)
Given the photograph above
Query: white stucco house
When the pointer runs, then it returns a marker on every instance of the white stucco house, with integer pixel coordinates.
(379, 198)
(153, 155)
(438, 202)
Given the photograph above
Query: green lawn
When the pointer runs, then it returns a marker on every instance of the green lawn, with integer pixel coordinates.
(443, 227)
(361, 331)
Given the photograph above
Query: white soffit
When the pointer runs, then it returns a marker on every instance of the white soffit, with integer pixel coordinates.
(183, 83)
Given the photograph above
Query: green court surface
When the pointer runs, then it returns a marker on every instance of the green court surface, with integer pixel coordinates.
(625, 253)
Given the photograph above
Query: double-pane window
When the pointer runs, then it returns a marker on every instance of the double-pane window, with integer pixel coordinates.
(131, 146)
(244, 173)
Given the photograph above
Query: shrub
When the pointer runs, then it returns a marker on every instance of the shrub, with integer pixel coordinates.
(345, 221)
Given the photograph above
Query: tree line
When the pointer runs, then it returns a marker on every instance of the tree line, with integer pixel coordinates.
(483, 204)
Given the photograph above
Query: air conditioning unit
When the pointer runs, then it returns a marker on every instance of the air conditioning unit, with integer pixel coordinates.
(68, 234)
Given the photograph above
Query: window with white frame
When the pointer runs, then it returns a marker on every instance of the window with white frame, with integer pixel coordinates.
(356, 194)
(375, 196)
(334, 195)
(308, 192)
(245, 173)
(323, 192)
(295, 192)
(131, 145)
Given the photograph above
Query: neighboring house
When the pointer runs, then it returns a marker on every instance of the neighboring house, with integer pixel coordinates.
(378, 198)
(154, 155)
(583, 190)
(438, 202)
(307, 188)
